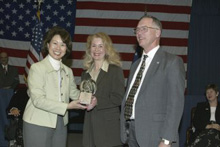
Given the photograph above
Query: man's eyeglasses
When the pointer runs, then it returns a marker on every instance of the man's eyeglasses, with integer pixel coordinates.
(143, 29)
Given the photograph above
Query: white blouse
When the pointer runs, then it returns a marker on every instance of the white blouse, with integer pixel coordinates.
(212, 118)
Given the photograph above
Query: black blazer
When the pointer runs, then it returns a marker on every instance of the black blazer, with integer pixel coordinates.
(202, 116)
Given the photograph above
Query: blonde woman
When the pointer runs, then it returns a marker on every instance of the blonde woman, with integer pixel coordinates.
(102, 64)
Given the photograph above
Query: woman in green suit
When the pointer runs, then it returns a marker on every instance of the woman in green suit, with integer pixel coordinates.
(51, 84)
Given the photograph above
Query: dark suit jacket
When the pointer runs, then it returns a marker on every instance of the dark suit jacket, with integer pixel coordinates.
(202, 116)
(159, 105)
(19, 100)
(10, 79)
(102, 124)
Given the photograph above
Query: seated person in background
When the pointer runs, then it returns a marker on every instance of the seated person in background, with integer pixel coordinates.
(15, 112)
(18, 102)
(207, 120)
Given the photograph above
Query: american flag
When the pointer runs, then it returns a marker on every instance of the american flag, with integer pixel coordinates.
(34, 54)
(118, 18)
(114, 17)
(19, 23)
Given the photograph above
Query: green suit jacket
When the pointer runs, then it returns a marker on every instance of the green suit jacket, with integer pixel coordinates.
(44, 105)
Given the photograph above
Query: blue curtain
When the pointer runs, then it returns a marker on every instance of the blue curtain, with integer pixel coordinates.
(204, 46)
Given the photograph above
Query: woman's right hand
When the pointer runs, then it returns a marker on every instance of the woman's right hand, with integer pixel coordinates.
(76, 105)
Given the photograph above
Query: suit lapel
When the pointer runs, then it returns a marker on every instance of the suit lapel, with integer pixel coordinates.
(100, 76)
(217, 113)
(99, 79)
(132, 71)
(9, 70)
(1, 70)
(155, 63)
(131, 75)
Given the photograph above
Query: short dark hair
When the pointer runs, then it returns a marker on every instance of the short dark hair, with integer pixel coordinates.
(212, 86)
(156, 21)
(65, 36)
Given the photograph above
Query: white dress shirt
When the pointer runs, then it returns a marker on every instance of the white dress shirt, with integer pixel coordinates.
(150, 57)
(212, 118)
(5, 67)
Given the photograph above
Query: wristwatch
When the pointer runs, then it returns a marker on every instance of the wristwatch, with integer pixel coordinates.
(166, 142)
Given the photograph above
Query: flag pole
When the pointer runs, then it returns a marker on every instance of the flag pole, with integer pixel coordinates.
(38, 9)
(34, 54)
(145, 11)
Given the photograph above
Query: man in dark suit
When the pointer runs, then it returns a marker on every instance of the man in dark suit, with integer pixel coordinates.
(8, 74)
(8, 82)
(158, 98)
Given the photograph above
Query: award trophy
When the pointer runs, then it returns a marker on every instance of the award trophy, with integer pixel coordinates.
(87, 89)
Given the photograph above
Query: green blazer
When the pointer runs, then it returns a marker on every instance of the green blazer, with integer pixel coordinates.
(44, 105)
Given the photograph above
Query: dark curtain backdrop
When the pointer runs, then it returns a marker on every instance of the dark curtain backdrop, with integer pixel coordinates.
(204, 46)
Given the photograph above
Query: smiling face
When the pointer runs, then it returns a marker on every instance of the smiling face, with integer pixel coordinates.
(56, 47)
(150, 38)
(211, 95)
(98, 49)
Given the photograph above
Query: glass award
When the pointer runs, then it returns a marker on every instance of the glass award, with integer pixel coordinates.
(87, 89)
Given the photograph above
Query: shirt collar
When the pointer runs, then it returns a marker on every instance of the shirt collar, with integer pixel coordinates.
(104, 67)
(152, 52)
(5, 66)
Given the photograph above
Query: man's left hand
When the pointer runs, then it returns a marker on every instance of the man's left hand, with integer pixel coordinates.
(163, 145)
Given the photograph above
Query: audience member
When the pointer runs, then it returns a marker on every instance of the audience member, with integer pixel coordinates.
(15, 112)
(8, 83)
(206, 120)
(50, 84)
(18, 102)
(153, 104)
(8, 74)
(102, 64)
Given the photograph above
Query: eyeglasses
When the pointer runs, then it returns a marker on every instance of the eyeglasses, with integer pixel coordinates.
(143, 29)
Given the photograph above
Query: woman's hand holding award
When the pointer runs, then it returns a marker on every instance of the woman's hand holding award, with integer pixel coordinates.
(87, 88)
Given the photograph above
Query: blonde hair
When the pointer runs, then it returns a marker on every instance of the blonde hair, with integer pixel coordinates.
(112, 56)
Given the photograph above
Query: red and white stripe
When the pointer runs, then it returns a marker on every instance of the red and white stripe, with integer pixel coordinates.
(117, 18)
(32, 57)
